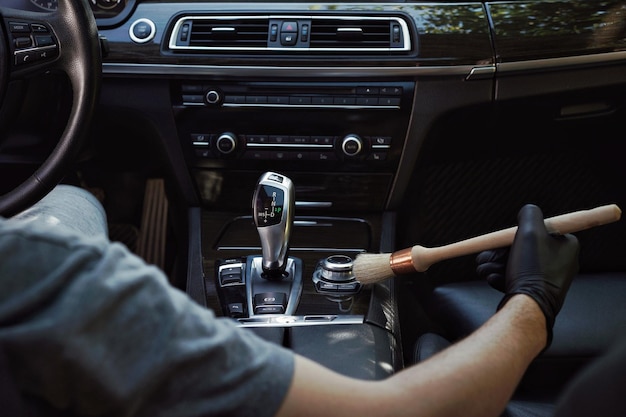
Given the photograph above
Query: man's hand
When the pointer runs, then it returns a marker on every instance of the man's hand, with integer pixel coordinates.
(539, 265)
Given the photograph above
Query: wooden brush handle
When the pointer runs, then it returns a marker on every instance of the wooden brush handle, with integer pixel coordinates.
(422, 258)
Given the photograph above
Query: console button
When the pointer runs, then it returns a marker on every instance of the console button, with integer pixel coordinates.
(280, 155)
(304, 33)
(381, 140)
(367, 101)
(300, 100)
(273, 32)
(256, 139)
(256, 99)
(257, 155)
(193, 98)
(323, 156)
(278, 100)
(322, 140)
(389, 101)
(200, 139)
(367, 90)
(270, 303)
(377, 156)
(289, 26)
(279, 139)
(235, 99)
(235, 309)
(324, 101)
(344, 101)
(288, 39)
(299, 139)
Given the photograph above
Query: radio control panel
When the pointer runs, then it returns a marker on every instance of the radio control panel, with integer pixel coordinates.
(278, 147)
(356, 126)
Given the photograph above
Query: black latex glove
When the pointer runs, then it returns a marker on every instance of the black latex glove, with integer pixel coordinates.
(539, 264)
(491, 266)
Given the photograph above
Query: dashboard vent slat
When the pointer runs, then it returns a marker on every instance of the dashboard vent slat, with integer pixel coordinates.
(330, 33)
(228, 33)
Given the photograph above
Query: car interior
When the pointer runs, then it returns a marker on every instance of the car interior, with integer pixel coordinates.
(253, 149)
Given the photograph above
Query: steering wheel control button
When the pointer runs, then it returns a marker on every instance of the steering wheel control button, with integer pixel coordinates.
(23, 42)
(19, 27)
(31, 43)
(142, 30)
(39, 28)
(45, 40)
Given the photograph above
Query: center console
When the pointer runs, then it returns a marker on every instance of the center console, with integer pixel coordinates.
(288, 278)
(281, 266)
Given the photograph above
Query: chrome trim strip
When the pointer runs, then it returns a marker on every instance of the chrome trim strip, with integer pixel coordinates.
(311, 204)
(294, 249)
(284, 72)
(293, 321)
(553, 63)
(310, 106)
(287, 145)
(296, 72)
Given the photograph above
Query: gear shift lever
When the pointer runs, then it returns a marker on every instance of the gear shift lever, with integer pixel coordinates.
(273, 206)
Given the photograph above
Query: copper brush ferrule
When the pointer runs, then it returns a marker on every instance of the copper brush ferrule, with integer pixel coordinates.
(401, 262)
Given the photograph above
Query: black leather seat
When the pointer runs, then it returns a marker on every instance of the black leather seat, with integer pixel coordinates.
(592, 319)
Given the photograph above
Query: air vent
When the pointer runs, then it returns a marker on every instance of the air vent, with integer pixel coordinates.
(286, 33)
(356, 34)
(228, 33)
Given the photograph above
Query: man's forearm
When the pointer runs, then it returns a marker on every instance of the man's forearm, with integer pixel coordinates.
(478, 375)
(474, 377)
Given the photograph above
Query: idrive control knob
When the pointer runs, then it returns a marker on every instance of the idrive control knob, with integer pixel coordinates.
(334, 275)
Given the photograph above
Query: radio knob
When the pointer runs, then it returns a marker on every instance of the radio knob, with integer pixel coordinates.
(226, 143)
(352, 145)
(213, 97)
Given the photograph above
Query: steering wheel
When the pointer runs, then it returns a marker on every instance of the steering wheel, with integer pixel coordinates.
(33, 43)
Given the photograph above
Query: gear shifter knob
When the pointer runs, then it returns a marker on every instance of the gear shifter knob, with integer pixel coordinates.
(273, 206)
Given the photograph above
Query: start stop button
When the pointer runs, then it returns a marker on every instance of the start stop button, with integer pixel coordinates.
(142, 30)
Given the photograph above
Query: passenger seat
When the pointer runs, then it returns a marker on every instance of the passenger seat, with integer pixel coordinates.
(592, 319)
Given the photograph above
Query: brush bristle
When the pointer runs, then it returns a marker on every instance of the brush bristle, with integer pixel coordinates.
(370, 268)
